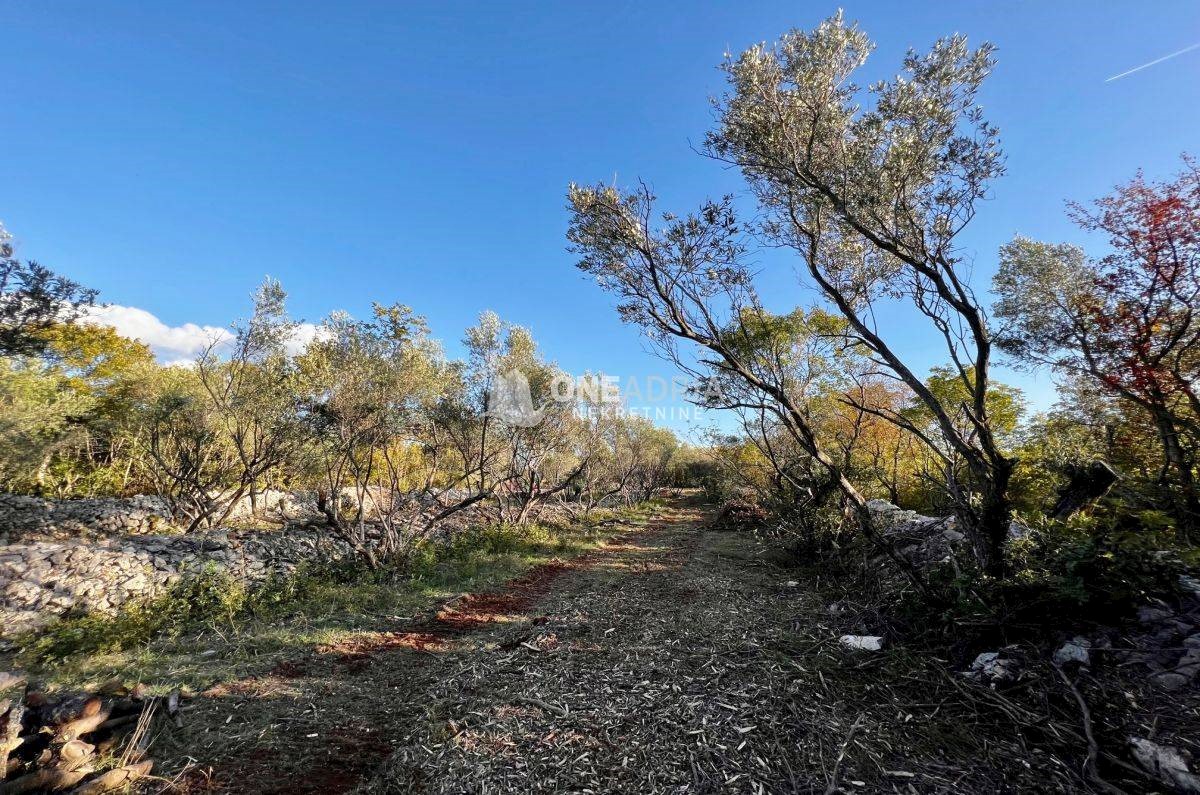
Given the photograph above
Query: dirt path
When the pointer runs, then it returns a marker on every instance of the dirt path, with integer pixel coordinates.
(649, 670)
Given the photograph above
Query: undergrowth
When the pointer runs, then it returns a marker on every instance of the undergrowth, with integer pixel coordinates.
(1063, 576)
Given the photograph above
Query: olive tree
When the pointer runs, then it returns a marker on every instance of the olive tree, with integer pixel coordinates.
(873, 201)
(689, 283)
(252, 387)
(532, 452)
(385, 425)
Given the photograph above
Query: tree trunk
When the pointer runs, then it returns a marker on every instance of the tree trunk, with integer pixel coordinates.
(1187, 505)
(523, 514)
(990, 532)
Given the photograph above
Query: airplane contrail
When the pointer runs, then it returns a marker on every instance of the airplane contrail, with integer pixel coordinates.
(1152, 63)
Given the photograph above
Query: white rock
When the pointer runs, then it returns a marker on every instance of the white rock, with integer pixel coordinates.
(862, 642)
(1165, 763)
(9, 680)
(1076, 650)
(1151, 615)
(992, 667)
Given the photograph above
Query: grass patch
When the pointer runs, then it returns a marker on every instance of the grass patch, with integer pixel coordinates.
(209, 627)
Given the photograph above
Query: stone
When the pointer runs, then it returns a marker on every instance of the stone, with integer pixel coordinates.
(862, 642)
(1165, 763)
(1170, 681)
(40, 580)
(1075, 651)
(1189, 664)
(994, 668)
(10, 680)
(1152, 615)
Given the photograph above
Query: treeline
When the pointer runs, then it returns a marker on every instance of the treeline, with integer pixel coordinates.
(871, 189)
(391, 436)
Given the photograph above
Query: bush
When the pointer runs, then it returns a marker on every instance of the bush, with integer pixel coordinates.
(1098, 568)
(1095, 569)
(210, 597)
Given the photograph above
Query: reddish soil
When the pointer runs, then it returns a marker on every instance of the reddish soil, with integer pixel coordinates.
(290, 669)
(518, 596)
(351, 753)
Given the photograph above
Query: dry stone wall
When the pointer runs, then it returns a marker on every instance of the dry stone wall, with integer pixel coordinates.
(42, 580)
(23, 516)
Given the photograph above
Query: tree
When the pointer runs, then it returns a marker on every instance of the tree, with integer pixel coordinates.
(252, 387)
(33, 299)
(216, 431)
(871, 200)
(69, 415)
(384, 422)
(883, 452)
(626, 458)
(690, 283)
(40, 416)
(112, 373)
(650, 452)
(186, 458)
(1126, 320)
(533, 458)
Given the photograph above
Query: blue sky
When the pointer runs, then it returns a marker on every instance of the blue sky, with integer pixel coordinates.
(173, 154)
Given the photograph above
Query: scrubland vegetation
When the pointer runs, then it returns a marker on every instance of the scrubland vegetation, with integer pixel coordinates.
(371, 418)
(1024, 528)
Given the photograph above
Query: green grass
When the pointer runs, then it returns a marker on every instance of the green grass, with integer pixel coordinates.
(209, 627)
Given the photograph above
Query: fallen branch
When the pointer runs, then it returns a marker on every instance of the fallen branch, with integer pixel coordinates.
(1091, 772)
(837, 764)
(115, 779)
(47, 779)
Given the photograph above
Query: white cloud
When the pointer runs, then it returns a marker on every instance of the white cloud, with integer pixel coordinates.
(169, 343)
(179, 345)
(305, 333)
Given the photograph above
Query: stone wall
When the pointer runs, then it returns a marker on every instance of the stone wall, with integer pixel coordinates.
(43, 579)
(22, 516)
(925, 540)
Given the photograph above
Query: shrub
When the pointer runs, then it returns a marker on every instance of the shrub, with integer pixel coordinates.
(1098, 567)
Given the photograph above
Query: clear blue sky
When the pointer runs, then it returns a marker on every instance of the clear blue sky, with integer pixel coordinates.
(171, 154)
